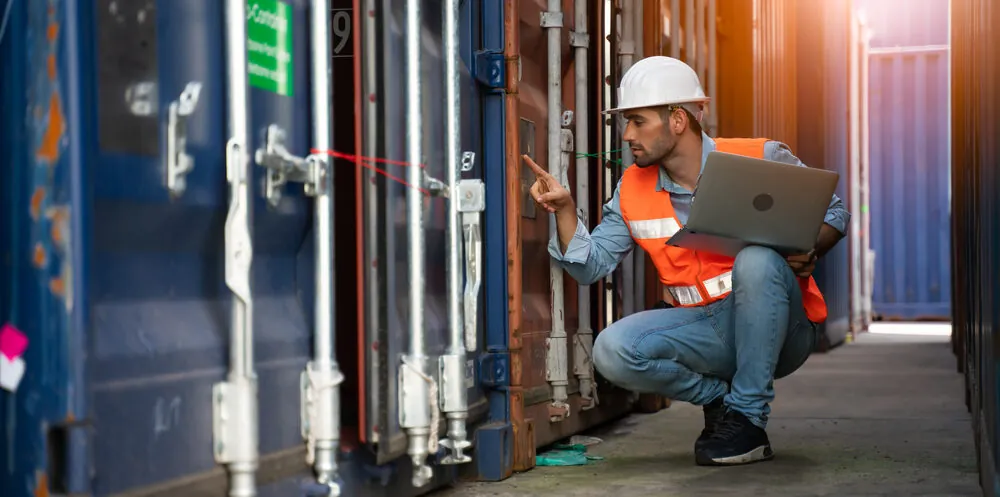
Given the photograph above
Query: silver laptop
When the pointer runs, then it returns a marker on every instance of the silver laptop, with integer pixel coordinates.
(741, 201)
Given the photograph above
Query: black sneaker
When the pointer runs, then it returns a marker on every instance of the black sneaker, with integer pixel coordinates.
(735, 441)
(714, 413)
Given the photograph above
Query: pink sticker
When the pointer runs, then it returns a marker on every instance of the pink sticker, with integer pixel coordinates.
(12, 342)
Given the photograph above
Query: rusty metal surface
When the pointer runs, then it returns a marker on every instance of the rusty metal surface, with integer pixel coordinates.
(528, 235)
(734, 104)
(757, 69)
(523, 444)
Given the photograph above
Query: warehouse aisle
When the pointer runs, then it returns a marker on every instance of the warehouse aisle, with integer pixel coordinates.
(882, 416)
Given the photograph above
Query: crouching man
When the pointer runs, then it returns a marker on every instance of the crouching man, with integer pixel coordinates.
(735, 324)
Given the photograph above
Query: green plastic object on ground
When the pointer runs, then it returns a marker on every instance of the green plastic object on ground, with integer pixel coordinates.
(566, 455)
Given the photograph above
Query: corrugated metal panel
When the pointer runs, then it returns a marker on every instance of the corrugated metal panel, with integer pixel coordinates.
(757, 69)
(734, 102)
(531, 394)
(905, 24)
(976, 235)
(822, 88)
(910, 218)
(775, 70)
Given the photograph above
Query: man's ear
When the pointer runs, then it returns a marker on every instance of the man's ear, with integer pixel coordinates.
(676, 122)
(682, 120)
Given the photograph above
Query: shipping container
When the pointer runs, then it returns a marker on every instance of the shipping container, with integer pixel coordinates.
(910, 215)
(823, 136)
(976, 249)
(908, 129)
(116, 118)
(554, 390)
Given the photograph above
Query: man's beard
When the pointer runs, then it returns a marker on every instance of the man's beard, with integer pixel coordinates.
(648, 159)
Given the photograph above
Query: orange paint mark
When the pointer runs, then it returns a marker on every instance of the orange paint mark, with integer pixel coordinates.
(53, 32)
(56, 233)
(39, 257)
(51, 63)
(36, 202)
(49, 150)
(57, 286)
(41, 485)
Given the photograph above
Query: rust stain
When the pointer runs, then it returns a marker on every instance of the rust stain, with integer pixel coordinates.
(39, 257)
(52, 32)
(36, 202)
(70, 418)
(57, 286)
(41, 485)
(49, 150)
(51, 64)
(55, 231)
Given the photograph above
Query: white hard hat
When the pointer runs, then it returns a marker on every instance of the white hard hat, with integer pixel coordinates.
(657, 81)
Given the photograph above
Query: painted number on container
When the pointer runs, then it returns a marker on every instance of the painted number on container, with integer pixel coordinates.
(340, 26)
(269, 45)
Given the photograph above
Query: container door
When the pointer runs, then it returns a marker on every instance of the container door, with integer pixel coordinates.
(909, 162)
(387, 288)
(160, 308)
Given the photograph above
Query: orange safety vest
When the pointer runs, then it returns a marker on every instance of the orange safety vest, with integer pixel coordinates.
(693, 278)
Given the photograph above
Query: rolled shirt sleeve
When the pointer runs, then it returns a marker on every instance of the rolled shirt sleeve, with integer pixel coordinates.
(592, 256)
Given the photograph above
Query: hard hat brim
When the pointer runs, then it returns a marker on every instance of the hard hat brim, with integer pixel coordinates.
(659, 104)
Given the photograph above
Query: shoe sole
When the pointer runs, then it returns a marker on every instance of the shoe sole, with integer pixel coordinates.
(762, 453)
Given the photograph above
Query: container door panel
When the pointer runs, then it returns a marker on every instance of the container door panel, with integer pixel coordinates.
(160, 306)
(387, 308)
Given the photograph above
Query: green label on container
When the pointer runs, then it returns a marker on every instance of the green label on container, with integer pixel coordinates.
(269, 45)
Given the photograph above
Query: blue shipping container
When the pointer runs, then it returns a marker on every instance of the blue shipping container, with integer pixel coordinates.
(119, 284)
(910, 182)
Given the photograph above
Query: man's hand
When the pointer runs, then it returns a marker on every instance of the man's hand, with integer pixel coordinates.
(803, 265)
(554, 198)
(547, 191)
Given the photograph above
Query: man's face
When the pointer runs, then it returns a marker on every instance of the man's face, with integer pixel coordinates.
(648, 136)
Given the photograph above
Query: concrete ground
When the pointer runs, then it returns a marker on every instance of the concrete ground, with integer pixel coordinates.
(884, 415)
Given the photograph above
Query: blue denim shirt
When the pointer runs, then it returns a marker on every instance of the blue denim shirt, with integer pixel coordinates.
(592, 256)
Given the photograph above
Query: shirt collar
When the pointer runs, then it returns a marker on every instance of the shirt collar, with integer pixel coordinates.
(665, 183)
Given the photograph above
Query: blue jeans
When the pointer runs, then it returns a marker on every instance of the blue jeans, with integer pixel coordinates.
(735, 347)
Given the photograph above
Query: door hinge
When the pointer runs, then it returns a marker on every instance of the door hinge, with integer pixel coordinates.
(489, 68)
(494, 370)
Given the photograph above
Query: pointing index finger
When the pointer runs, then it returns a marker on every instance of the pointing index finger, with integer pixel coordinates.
(535, 167)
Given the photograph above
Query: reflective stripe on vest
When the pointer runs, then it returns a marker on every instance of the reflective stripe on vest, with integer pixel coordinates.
(717, 286)
(654, 228)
